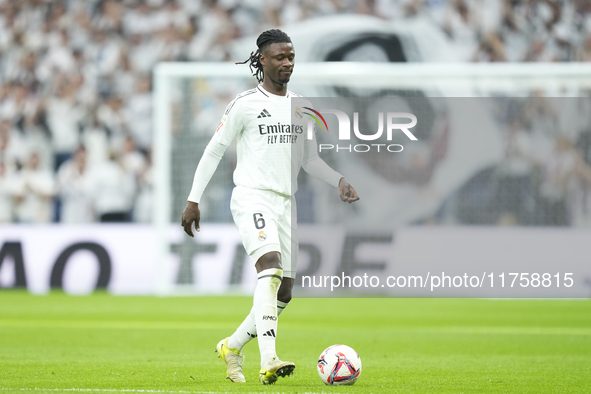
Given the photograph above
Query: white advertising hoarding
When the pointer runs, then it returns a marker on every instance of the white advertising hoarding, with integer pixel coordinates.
(412, 262)
(79, 258)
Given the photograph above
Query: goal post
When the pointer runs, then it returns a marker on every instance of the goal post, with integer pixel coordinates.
(189, 98)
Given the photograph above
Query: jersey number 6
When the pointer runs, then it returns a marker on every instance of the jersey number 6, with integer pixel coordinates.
(259, 222)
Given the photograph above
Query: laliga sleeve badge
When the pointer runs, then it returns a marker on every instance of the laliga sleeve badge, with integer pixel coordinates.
(262, 236)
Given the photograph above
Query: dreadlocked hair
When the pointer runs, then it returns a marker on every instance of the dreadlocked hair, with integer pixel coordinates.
(266, 38)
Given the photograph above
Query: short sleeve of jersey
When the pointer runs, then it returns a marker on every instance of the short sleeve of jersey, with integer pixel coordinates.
(231, 125)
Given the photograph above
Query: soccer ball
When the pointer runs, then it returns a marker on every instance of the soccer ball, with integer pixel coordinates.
(339, 365)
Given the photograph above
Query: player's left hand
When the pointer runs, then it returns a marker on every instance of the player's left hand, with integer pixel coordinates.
(348, 194)
(191, 215)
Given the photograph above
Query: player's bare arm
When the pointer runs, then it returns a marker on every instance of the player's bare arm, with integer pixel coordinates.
(191, 215)
(348, 193)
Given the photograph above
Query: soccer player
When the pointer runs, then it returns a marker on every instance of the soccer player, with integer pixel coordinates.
(263, 205)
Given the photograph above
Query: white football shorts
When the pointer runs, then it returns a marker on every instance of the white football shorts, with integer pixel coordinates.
(267, 223)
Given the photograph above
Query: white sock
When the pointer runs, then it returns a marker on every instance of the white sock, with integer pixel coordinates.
(281, 306)
(247, 331)
(265, 311)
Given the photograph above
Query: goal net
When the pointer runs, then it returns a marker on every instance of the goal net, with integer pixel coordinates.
(508, 144)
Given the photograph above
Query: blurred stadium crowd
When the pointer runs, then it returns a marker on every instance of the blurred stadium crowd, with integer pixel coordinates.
(544, 176)
(75, 93)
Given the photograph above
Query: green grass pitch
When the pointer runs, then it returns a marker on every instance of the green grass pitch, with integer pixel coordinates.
(102, 343)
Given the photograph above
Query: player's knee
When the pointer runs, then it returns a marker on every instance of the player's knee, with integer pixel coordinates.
(284, 293)
(269, 260)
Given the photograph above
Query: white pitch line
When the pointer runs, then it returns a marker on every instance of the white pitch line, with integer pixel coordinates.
(139, 391)
(111, 390)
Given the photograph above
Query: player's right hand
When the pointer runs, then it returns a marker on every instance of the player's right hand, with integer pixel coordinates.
(191, 215)
(348, 193)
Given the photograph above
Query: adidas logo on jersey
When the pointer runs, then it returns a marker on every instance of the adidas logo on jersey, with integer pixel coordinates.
(264, 114)
(270, 333)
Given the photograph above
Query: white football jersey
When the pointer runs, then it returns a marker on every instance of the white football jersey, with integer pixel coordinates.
(271, 146)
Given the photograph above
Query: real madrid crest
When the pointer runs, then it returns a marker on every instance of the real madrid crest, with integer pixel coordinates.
(262, 236)
(298, 113)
